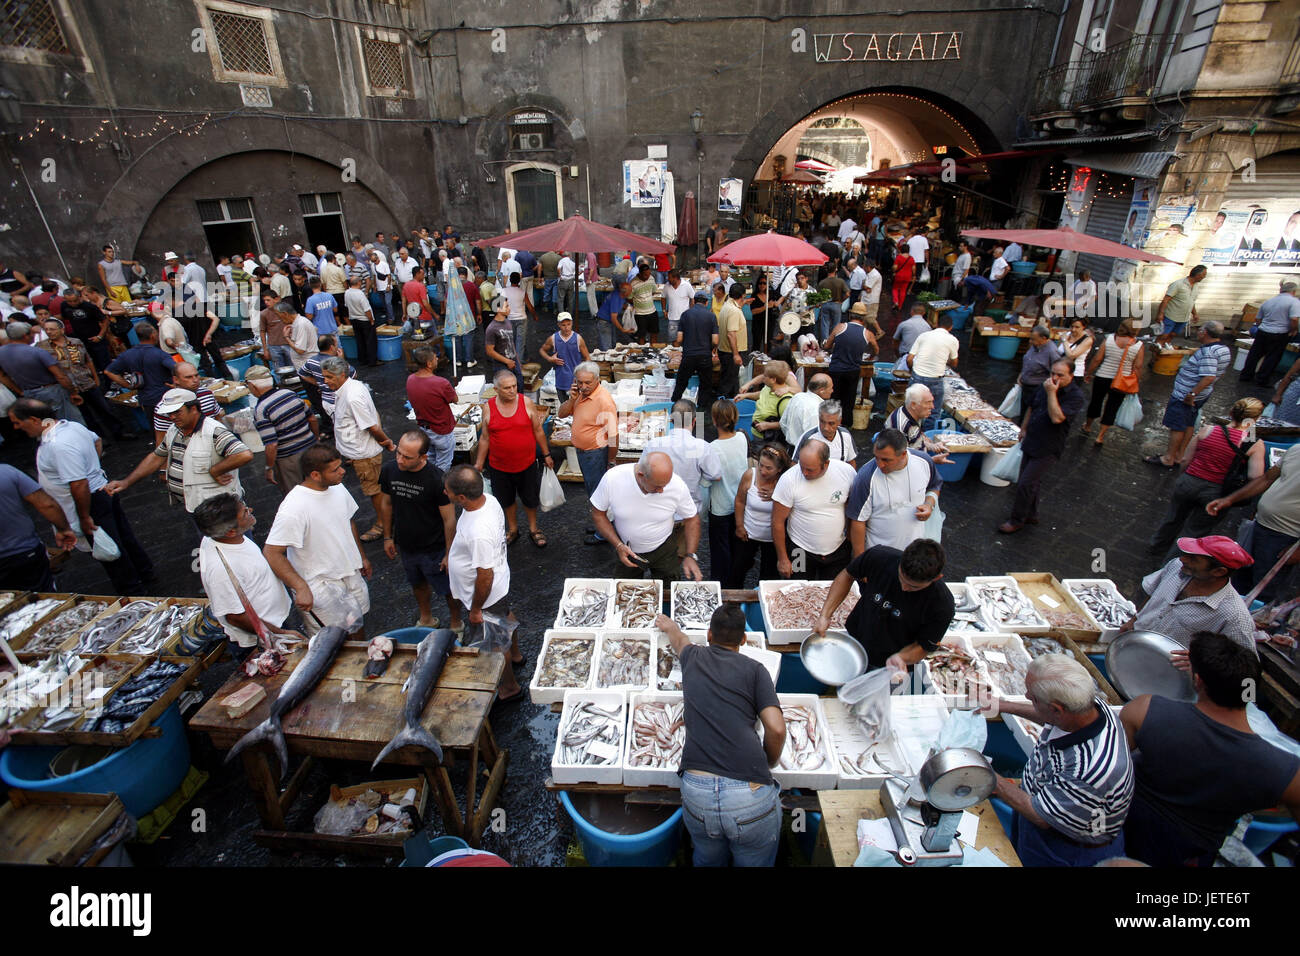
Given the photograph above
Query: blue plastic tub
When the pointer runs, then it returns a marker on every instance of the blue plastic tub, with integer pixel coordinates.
(143, 775)
(390, 348)
(1004, 812)
(754, 616)
(409, 635)
(1023, 267)
(960, 462)
(231, 313)
(883, 376)
(795, 679)
(239, 366)
(1263, 833)
(653, 847)
(349, 345)
(131, 336)
(1100, 661)
(745, 416)
(1004, 347)
(960, 317)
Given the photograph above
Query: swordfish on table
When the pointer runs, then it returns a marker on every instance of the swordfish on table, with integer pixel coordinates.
(429, 661)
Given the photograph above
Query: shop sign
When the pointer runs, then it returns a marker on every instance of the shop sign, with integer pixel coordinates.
(847, 47)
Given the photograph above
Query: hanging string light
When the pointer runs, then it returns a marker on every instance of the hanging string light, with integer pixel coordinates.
(105, 129)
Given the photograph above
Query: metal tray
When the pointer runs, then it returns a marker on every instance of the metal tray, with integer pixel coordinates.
(833, 659)
(1138, 663)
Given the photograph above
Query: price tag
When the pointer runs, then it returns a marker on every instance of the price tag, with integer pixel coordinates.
(1049, 600)
(602, 751)
(997, 657)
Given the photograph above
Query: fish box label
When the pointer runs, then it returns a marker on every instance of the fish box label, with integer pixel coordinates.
(996, 656)
(602, 751)
(1049, 600)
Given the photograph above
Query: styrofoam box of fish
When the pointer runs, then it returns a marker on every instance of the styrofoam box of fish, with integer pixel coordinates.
(752, 638)
(648, 776)
(996, 647)
(659, 642)
(540, 693)
(965, 622)
(578, 584)
(1040, 624)
(971, 695)
(851, 741)
(615, 619)
(692, 623)
(1025, 731)
(638, 642)
(791, 635)
(771, 660)
(1108, 634)
(824, 776)
(612, 772)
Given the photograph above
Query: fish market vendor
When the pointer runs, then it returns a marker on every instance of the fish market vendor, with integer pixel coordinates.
(905, 608)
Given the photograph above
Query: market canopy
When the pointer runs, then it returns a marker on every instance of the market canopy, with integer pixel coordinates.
(576, 234)
(816, 165)
(769, 249)
(1067, 238)
(803, 178)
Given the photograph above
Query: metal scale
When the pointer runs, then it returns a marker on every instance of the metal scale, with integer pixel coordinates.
(925, 812)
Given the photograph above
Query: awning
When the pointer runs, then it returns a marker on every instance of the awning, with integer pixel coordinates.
(1137, 165)
(1083, 140)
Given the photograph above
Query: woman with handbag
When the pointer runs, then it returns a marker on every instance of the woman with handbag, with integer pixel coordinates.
(1115, 373)
(1220, 459)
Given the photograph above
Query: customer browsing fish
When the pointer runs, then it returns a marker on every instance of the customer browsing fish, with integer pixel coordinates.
(637, 507)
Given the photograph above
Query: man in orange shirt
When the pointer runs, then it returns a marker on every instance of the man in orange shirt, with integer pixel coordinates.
(595, 429)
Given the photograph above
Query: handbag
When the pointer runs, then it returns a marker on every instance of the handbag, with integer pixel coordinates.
(1126, 383)
(1236, 477)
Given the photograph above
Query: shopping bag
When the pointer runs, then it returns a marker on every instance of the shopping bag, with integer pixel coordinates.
(933, 528)
(925, 275)
(1130, 413)
(1010, 406)
(103, 547)
(552, 495)
(1008, 469)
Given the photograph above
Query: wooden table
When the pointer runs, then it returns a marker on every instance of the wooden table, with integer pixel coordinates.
(350, 717)
(842, 809)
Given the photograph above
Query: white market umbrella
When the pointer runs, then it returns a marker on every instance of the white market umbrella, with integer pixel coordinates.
(668, 211)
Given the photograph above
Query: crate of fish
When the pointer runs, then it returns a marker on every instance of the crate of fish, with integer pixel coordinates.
(636, 604)
(26, 695)
(586, 602)
(82, 696)
(564, 663)
(161, 629)
(139, 701)
(967, 617)
(109, 628)
(664, 662)
(1005, 661)
(589, 743)
(791, 608)
(1053, 600)
(956, 673)
(60, 632)
(656, 737)
(1024, 730)
(808, 756)
(1106, 608)
(693, 603)
(1006, 608)
(11, 597)
(752, 638)
(1054, 643)
(622, 661)
(28, 613)
(864, 760)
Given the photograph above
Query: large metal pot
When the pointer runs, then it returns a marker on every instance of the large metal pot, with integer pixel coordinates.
(957, 778)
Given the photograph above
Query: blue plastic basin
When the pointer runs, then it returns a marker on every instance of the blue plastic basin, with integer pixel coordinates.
(795, 679)
(654, 847)
(960, 317)
(349, 344)
(1004, 812)
(143, 775)
(1003, 750)
(1023, 267)
(1100, 661)
(956, 470)
(883, 376)
(390, 347)
(1263, 833)
(409, 635)
(239, 366)
(1004, 347)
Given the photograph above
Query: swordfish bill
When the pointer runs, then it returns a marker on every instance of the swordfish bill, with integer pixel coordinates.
(429, 660)
(320, 655)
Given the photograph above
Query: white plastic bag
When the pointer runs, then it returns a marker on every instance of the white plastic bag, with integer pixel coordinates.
(867, 699)
(963, 728)
(925, 275)
(552, 495)
(934, 525)
(1130, 413)
(103, 547)
(1008, 469)
(1010, 406)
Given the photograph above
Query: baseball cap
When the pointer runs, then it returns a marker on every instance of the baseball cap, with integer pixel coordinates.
(564, 317)
(340, 259)
(701, 295)
(170, 255)
(258, 373)
(297, 248)
(1219, 547)
(174, 400)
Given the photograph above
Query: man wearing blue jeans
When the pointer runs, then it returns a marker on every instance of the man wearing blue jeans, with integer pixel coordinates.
(730, 803)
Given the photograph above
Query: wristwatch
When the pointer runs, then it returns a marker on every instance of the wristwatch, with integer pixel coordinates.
(694, 557)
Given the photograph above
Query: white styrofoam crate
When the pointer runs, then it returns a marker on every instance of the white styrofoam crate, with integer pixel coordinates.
(850, 741)
(771, 660)
(792, 635)
(994, 624)
(589, 773)
(918, 718)
(1008, 645)
(659, 641)
(1025, 731)
(642, 637)
(554, 695)
(615, 619)
(752, 638)
(970, 697)
(965, 622)
(824, 777)
(1108, 634)
(714, 586)
(605, 584)
(647, 776)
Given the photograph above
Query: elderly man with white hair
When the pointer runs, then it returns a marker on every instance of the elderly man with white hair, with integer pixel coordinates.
(832, 433)
(909, 418)
(637, 507)
(1074, 796)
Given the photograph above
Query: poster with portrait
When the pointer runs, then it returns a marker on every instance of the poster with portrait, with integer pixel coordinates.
(1262, 235)
(1170, 228)
(730, 195)
(643, 182)
(1139, 212)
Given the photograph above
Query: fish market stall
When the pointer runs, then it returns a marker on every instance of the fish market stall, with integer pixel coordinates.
(348, 716)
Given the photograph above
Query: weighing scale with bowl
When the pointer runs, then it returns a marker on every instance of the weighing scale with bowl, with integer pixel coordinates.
(925, 810)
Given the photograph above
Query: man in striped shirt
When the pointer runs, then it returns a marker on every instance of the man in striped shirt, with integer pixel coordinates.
(1192, 388)
(311, 373)
(1076, 789)
(285, 425)
(186, 376)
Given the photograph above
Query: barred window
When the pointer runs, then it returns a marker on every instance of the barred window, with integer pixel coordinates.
(31, 24)
(242, 47)
(241, 41)
(385, 64)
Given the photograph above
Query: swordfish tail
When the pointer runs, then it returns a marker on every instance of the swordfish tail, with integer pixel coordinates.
(268, 729)
(411, 736)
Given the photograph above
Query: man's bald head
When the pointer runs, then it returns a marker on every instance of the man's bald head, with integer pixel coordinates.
(185, 375)
(654, 471)
(814, 459)
(822, 385)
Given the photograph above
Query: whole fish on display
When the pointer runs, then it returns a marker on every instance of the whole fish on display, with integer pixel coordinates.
(429, 661)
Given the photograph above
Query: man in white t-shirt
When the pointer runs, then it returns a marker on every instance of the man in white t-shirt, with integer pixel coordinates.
(477, 566)
(314, 547)
(636, 507)
(404, 265)
(381, 295)
(961, 267)
(695, 461)
(357, 432)
(918, 247)
(804, 410)
(678, 296)
(566, 288)
(999, 268)
(847, 228)
(227, 556)
(811, 498)
(930, 357)
(857, 279)
(893, 495)
(506, 264)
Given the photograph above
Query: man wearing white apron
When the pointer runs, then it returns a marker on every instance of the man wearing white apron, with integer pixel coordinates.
(893, 496)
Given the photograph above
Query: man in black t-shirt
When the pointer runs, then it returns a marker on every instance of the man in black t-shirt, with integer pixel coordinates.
(697, 334)
(904, 609)
(89, 324)
(419, 521)
(1042, 440)
(731, 805)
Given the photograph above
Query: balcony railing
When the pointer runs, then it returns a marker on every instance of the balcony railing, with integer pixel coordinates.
(1131, 68)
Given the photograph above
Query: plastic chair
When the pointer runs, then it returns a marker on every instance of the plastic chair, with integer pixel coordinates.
(745, 415)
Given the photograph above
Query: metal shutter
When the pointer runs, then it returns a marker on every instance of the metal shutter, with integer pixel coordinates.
(1106, 220)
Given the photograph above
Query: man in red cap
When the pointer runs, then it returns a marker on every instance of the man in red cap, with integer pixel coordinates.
(1194, 592)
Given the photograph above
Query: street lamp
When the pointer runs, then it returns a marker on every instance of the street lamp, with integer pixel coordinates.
(697, 123)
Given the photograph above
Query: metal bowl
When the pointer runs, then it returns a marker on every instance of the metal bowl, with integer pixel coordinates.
(833, 659)
(1138, 663)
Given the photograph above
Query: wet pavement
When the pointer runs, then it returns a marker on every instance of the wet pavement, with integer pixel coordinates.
(1098, 508)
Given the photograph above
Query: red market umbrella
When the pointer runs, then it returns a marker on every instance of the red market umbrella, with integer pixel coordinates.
(576, 234)
(1067, 238)
(802, 177)
(769, 249)
(688, 229)
(816, 165)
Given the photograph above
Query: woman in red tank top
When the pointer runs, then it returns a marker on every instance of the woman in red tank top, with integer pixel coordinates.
(1209, 458)
(508, 443)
